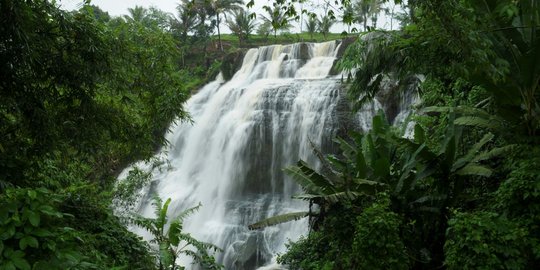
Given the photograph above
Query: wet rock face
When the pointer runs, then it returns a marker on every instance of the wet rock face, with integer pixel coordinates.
(345, 43)
(390, 100)
(304, 52)
(232, 62)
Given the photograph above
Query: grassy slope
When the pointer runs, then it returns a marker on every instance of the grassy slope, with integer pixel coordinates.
(230, 40)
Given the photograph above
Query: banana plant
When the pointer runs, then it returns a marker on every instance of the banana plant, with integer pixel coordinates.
(417, 177)
(174, 242)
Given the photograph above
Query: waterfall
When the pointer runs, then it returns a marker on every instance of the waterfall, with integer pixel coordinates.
(244, 132)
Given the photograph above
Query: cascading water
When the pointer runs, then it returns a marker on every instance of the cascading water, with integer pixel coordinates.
(244, 132)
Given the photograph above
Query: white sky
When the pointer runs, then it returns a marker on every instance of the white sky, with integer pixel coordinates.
(119, 7)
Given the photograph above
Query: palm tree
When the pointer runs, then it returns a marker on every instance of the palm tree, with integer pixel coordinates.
(347, 17)
(276, 18)
(368, 9)
(187, 19)
(241, 25)
(311, 25)
(264, 30)
(376, 7)
(137, 14)
(224, 6)
(324, 24)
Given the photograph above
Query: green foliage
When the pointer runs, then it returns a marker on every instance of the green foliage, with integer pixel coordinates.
(306, 253)
(33, 235)
(485, 240)
(81, 96)
(126, 190)
(420, 181)
(327, 248)
(477, 61)
(242, 25)
(276, 18)
(492, 44)
(377, 236)
(311, 26)
(324, 24)
(172, 242)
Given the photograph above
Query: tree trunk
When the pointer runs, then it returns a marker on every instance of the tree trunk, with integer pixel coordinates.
(392, 18)
(218, 32)
(365, 23)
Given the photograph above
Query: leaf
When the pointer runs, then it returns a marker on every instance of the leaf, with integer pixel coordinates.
(310, 180)
(472, 152)
(188, 212)
(278, 220)
(449, 154)
(493, 153)
(21, 263)
(41, 232)
(335, 197)
(381, 168)
(8, 265)
(174, 230)
(479, 122)
(429, 198)
(419, 134)
(162, 216)
(28, 241)
(476, 170)
(49, 210)
(464, 110)
(165, 256)
(34, 218)
(32, 194)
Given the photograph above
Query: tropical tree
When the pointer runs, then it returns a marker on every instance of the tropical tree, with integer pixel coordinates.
(366, 10)
(172, 242)
(347, 17)
(516, 44)
(157, 18)
(242, 25)
(376, 7)
(324, 24)
(276, 18)
(136, 14)
(186, 21)
(224, 6)
(264, 30)
(311, 25)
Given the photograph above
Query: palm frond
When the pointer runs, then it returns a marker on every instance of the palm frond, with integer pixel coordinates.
(334, 197)
(275, 220)
(496, 152)
(309, 179)
(188, 212)
(475, 170)
(472, 152)
(480, 122)
(462, 110)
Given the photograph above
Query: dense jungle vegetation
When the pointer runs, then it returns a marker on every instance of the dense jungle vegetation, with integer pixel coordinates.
(463, 190)
(83, 94)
